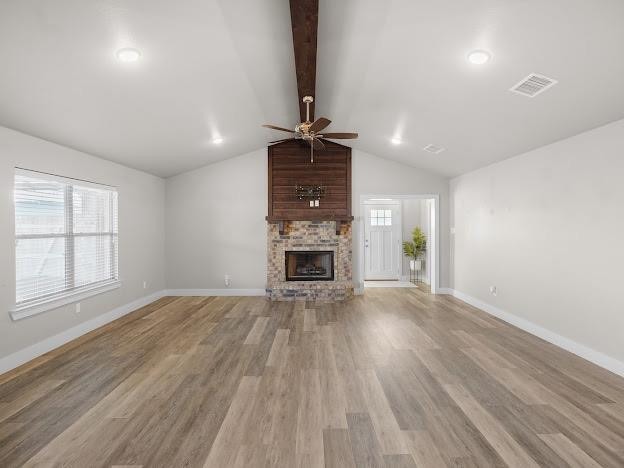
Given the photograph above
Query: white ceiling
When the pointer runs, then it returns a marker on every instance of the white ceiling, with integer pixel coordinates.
(223, 67)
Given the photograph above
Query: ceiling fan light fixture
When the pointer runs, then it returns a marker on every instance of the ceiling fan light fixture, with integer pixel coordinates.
(217, 140)
(395, 141)
(479, 57)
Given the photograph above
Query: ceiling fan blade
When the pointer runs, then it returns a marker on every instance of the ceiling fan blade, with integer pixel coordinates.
(338, 136)
(319, 124)
(279, 141)
(273, 127)
(317, 144)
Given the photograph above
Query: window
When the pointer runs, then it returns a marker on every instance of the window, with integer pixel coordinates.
(65, 238)
(381, 218)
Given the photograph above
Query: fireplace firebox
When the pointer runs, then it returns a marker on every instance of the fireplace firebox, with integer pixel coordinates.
(308, 265)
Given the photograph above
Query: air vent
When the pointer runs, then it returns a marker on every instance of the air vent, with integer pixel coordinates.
(533, 85)
(433, 149)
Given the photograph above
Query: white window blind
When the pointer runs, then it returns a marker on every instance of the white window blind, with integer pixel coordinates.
(66, 237)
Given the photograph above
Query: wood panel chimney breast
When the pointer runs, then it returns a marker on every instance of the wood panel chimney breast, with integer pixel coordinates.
(290, 167)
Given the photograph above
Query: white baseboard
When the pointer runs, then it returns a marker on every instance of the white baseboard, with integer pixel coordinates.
(598, 358)
(216, 292)
(448, 291)
(22, 356)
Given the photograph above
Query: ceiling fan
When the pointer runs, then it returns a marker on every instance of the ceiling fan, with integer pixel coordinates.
(311, 131)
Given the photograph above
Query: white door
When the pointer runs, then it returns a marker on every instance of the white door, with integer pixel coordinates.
(382, 242)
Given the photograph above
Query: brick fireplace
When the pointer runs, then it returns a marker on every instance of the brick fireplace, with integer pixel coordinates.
(309, 236)
(307, 259)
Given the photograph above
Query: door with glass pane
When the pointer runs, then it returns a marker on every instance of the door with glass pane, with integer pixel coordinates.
(382, 241)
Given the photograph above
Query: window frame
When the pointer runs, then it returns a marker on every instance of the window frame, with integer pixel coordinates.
(71, 293)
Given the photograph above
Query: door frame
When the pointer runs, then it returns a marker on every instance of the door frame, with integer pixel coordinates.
(435, 225)
(398, 226)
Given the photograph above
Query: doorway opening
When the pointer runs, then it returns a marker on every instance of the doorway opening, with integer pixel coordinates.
(389, 221)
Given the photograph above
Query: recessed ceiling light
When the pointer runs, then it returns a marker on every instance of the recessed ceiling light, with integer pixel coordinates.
(479, 57)
(395, 141)
(217, 140)
(128, 55)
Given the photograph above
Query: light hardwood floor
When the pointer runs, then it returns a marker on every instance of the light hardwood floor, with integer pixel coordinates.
(396, 377)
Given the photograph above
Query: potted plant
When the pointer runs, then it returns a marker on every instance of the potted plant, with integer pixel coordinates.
(415, 249)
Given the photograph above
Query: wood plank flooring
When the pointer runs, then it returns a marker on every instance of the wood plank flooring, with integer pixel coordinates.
(395, 378)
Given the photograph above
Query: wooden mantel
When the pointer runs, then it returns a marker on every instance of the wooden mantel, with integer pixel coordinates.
(282, 222)
(290, 165)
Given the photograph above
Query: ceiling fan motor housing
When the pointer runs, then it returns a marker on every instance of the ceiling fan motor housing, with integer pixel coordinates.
(303, 128)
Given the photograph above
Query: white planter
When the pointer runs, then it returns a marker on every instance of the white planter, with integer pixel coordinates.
(415, 265)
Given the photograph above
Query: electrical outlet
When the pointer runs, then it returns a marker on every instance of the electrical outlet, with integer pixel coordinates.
(227, 280)
(144, 284)
(493, 290)
(77, 307)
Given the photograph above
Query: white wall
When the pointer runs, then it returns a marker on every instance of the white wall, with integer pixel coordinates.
(216, 217)
(216, 225)
(546, 228)
(141, 235)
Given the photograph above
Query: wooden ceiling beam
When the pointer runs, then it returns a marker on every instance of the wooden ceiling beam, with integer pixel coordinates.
(304, 21)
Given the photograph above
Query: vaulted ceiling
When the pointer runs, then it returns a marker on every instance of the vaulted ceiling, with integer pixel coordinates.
(394, 69)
